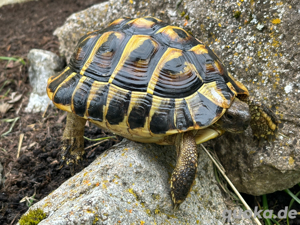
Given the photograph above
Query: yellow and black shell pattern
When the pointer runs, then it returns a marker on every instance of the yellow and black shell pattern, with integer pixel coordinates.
(143, 78)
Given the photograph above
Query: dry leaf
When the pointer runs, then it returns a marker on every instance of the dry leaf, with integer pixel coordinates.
(54, 162)
(14, 97)
(31, 126)
(13, 94)
(10, 65)
(27, 146)
(4, 107)
(32, 144)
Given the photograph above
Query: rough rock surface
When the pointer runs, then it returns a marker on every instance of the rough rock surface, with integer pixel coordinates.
(258, 42)
(128, 184)
(43, 64)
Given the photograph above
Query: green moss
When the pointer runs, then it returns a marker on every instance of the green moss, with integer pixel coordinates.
(237, 14)
(33, 217)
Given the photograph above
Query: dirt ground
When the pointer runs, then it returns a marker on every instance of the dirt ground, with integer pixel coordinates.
(33, 172)
(36, 170)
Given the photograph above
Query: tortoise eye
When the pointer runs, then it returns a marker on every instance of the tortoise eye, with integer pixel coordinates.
(230, 117)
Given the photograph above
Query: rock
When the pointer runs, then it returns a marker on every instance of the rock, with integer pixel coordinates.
(265, 60)
(129, 184)
(43, 64)
(254, 169)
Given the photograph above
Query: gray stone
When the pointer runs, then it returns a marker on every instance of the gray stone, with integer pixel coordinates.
(256, 169)
(265, 60)
(129, 183)
(43, 64)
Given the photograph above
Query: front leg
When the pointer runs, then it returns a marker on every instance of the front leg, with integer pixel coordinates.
(184, 173)
(264, 122)
(73, 142)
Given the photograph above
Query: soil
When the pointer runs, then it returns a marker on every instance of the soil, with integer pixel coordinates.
(36, 170)
(32, 170)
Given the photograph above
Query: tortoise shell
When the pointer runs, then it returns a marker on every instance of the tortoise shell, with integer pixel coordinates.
(142, 79)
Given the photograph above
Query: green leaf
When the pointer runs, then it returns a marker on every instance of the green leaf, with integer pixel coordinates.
(17, 59)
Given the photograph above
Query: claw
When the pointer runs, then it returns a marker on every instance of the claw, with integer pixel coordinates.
(176, 207)
(260, 142)
(65, 152)
(73, 142)
(271, 138)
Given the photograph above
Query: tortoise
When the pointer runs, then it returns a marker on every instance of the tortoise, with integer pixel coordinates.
(152, 82)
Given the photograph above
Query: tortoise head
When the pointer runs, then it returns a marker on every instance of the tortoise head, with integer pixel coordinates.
(236, 119)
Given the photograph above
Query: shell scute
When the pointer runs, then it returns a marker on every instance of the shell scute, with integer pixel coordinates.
(204, 111)
(79, 98)
(102, 59)
(143, 26)
(118, 104)
(64, 92)
(176, 78)
(183, 116)
(136, 60)
(175, 37)
(162, 119)
(56, 80)
(139, 110)
(97, 101)
(82, 51)
(116, 25)
(153, 19)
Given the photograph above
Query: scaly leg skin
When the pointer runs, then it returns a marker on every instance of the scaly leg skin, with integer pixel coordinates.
(73, 142)
(264, 122)
(184, 173)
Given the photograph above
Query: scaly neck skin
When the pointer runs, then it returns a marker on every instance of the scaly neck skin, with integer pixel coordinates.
(236, 119)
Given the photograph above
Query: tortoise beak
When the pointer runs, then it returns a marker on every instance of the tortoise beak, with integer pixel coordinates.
(207, 134)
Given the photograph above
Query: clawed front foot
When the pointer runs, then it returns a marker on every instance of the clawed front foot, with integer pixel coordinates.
(264, 122)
